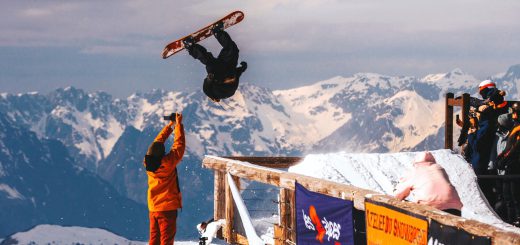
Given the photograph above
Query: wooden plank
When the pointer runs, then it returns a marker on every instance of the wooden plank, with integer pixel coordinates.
(244, 170)
(506, 238)
(286, 180)
(454, 102)
(215, 163)
(270, 162)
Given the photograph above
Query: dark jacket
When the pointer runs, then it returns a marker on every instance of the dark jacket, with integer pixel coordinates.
(481, 142)
(223, 85)
(509, 159)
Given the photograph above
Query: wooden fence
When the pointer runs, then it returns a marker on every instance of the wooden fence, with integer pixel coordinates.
(268, 170)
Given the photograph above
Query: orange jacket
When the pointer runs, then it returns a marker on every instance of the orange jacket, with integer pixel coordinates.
(163, 190)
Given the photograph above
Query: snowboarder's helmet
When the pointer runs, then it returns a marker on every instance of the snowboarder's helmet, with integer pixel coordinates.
(486, 84)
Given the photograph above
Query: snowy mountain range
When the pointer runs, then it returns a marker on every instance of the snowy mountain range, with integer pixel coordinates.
(107, 137)
(39, 183)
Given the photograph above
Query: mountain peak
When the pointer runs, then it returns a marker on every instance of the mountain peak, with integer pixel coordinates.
(513, 71)
(455, 72)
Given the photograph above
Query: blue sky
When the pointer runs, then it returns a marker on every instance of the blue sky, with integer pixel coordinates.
(115, 45)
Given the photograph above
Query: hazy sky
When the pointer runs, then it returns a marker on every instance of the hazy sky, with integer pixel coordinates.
(115, 45)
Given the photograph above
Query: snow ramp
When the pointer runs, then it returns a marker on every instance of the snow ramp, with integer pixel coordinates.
(381, 172)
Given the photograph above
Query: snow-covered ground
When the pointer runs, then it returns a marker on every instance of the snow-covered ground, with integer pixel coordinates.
(381, 172)
(55, 234)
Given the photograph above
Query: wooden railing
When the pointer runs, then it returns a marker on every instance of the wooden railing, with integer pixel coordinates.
(452, 102)
(285, 230)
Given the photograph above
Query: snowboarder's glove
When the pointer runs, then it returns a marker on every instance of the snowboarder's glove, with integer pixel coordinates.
(242, 67)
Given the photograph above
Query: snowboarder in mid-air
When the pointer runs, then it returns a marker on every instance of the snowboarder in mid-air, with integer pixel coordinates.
(223, 74)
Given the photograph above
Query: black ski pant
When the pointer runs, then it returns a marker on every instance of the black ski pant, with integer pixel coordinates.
(225, 64)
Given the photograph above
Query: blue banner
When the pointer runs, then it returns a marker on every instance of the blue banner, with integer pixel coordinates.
(321, 219)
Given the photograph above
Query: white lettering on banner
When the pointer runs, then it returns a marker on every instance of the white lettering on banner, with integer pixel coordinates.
(332, 229)
(434, 241)
(308, 222)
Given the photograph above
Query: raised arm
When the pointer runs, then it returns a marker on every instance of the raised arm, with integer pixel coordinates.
(179, 144)
(165, 133)
(403, 189)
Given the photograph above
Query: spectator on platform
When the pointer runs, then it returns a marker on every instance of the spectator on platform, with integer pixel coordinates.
(505, 125)
(428, 183)
(509, 162)
(481, 140)
(493, 106)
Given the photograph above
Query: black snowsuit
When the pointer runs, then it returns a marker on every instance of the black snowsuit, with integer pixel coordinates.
(223, 74)
(509, 160)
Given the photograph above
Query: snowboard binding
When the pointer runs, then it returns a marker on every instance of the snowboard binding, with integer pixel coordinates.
(188, 42)
(218, 27)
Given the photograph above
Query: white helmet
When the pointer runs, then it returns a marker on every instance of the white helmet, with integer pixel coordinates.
(486, 84)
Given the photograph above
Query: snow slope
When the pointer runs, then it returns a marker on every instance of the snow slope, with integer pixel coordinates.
(54, 234)
(381, 172)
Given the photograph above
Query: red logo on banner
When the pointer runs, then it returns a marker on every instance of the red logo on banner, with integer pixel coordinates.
(316, 221)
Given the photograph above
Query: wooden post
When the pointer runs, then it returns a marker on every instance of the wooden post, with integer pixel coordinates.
(228, 231)
(230, 234)
(292, 206)
(465, 109)
(219, 202)
(448, 123)
(219, 195)
(285, 215)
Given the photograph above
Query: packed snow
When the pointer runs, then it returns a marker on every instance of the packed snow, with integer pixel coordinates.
(55, 234)
(381, 172)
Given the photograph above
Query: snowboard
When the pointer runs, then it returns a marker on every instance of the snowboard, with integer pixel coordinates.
(177, 45)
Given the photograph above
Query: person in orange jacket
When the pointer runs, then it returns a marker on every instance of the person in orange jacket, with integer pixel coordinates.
(164, 195)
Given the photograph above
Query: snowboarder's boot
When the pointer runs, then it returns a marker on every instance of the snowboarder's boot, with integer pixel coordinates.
(188, 43)
(218, 27)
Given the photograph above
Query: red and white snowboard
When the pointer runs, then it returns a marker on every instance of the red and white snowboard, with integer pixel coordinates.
(177, 45)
